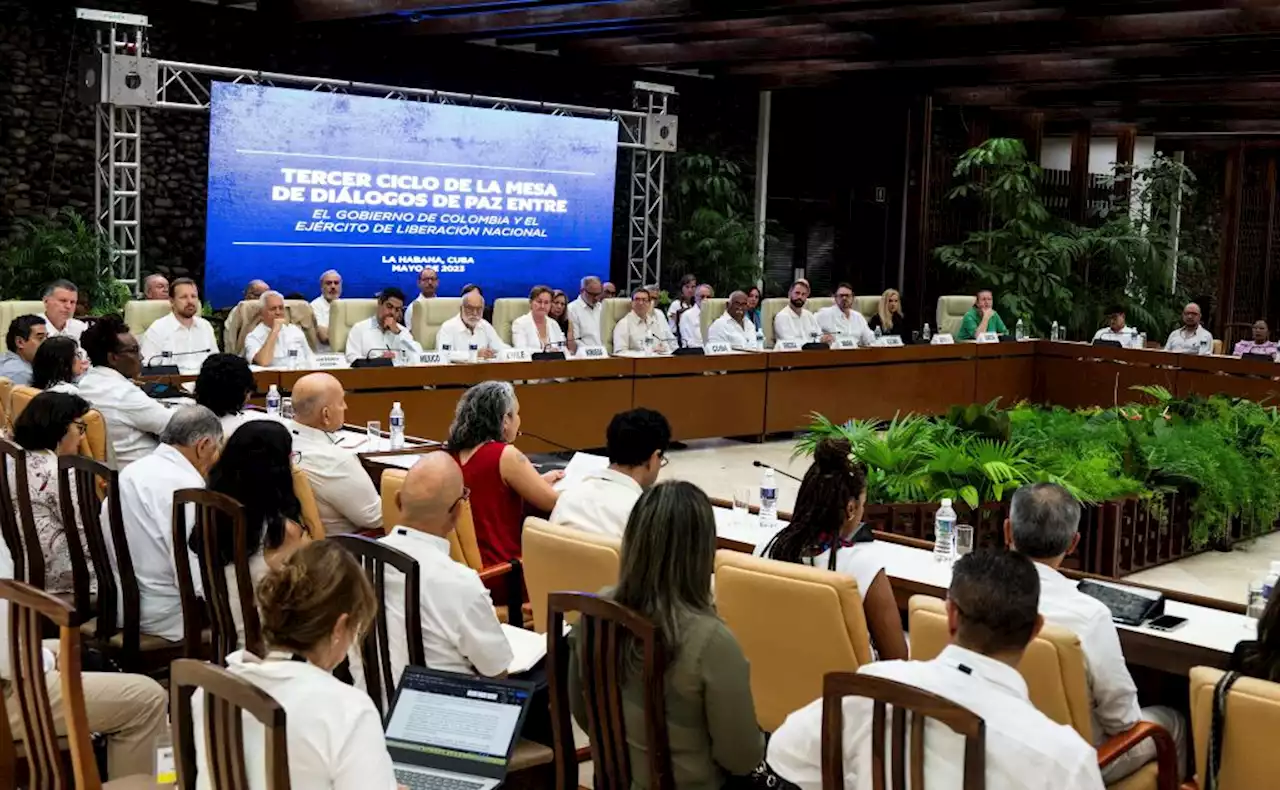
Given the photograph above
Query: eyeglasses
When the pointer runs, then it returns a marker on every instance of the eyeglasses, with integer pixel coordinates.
(663, 460)
(132, 349)
(81, 426)
(466, 496)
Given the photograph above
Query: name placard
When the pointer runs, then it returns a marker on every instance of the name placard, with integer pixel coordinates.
(514, 355)
(330, 361)
(592, 352)
(432, 358)
(988, 337)
(788, 345)
(888, 341)
(845, 342)
(717, 349)
(942, 340)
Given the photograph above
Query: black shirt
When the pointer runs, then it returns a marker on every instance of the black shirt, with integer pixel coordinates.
(901, 327)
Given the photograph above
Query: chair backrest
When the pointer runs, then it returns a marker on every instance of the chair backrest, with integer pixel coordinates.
(344, 314)
(212, 512)
(140, 314)
(375, 649)
(226, 699)
(601, 632)
(11, 310)
(1217, 347)
(711, 310)
(505, 311)
(6, 395)
(307, 499)
(245, 316)
(79, 480)
(94, 442)
(816, 303)
(391, 483)
(795, 624)
(905, 699)
(615, 310)
(28, 607)
(463, 545)
(867, 305)
(1252, 717)
(1053, 666)
(19, 397)
(429, 315)
(388, 486)
(130, 617)
(951, 310)
(17, 523)
(559, 558)
(768, 309)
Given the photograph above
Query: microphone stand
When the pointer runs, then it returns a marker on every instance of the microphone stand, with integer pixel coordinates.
(762, 465)
(167, 366)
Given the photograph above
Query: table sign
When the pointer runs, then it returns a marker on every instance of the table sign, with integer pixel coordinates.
(330, 361)
(942, 340)
(845, 342)
(717, 349)
(592, 352)
(988, 337)
(514, 355)
(888, 341)
(788, 345)
(432, 358)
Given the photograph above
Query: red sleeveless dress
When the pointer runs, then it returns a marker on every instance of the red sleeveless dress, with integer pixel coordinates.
(496, 509)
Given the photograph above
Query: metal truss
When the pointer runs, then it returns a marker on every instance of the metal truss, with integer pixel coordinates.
(648, 176)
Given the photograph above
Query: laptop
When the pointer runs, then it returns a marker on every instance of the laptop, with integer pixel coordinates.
(447, 731)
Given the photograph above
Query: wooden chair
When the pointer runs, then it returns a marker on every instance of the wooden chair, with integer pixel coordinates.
(94, 442)
(213, 512)
(226, 697)
(28, 607)
(79, 480)
(922, 705)
(17, 524)
(602, 625)
(375, 650)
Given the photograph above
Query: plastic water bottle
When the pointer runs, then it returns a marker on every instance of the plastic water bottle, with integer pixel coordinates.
(1018, 332)
(396, 421)
(944, 524)
(759, 337)
(879, 333)
(273, 401)
(768, 499)
(925, 334)
(1053, 331)
(1272, 577)
(1142, 340)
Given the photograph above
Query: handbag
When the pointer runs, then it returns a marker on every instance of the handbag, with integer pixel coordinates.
(1217, 728)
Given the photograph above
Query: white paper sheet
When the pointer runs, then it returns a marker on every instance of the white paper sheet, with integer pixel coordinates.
(527, 648)
(579, 466)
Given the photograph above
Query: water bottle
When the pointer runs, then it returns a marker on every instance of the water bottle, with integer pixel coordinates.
(1269, 582)
(1053, 331)
(273, 401)
(759, 337)
(768, 499)
(474, 352)
(396, 421)
(925, 334)
(1018, 332)
(879, 334)
(1142, 340)
(943, 527)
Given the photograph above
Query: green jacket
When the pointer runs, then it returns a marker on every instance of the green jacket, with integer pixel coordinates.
(969, 325)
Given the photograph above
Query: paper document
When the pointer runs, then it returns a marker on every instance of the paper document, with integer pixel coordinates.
(579, 466)
(527, 648)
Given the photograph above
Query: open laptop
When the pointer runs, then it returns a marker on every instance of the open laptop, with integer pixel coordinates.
(454, 732)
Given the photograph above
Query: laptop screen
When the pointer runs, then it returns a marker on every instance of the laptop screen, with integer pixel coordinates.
(455, 722)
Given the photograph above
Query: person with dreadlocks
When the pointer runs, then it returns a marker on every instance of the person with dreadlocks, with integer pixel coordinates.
(826, 531)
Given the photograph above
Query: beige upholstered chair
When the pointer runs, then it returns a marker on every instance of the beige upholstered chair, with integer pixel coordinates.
(344, 314)
(816, 303)
(307, 500)
(768, 309)
(951, 310)
(11, 310)
(711, 310)
(505, 311)
(6, 406)
(795, 624)
(1252, 720)
(141, 314)
(19, 397)
(867, 305)
(94, 442)
(563, 559)
(245, 317)
(614, 311)
(429, 315)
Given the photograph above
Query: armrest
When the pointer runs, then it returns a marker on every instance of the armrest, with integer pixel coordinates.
(514, 573)
(1166, 752)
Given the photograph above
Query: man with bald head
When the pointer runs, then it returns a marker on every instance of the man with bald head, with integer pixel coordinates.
(274, 342)
(345, 495)
(460, 631)
(1191, 337)
(156, 288)
(733, 326)
(255, 289)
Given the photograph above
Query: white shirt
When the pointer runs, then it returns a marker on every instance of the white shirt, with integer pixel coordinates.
(1127, 338)
(725, 330)
(691, 327)
(190, 345)
(629, 334)
(585, 322)
(146, 506)
(73, 328)
(290, 337)
(320, 309)
(790, 325)
(524, 334)
(599, 503)
(862, 562)
(232, 421)
(134, 421)
(345, 495)
(1025, 749)
(334, 736)
(460, 631)
(6, 670)
(833, 321)
(1115, 697)
(367, 339)
(455, 336)
(674, 309)
(408, 311)
(1201, 342)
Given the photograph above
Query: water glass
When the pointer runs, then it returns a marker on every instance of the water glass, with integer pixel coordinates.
(915, 336)
(963, 540)
(1255, 600)
(286, 408)
(742, 506)
(293, 357)
(373, 432)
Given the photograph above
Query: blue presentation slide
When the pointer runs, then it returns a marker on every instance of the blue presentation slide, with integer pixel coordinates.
(379, 189)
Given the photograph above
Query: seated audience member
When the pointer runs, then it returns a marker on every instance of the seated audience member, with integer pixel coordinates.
(683, 301)
(1260, 658)
(133, 419)
(981, 318)
(50, 426)
(60, 299)
(991, 614)
(330, 290)
(428, 284)
(1191, 337)
(753, 306)
(796, 322)
(641, 329)
(25, 334)
(274, 341)
(1116, 331)
(252, 293)
(460, 630)
(500, 477)
(155, 288)
(654, 293)
(610, 290)
(689, 319)
(535, 330)
(182, 333)
(345, 495)
(131, 711)
(559, 311)
(1260, 344)
(382, 335)
(668, 554)
(601, 502)
(314, 608)
(255, 289)
(57, 365)
(468, 328)
(890, 320)
(224, 387)
(254, 469)
(586, 314)
(733, 326)
(841, 320)
(1043, 524)
(188, 447)
(826, 531)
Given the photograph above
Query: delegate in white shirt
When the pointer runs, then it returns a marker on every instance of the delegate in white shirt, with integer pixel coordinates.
(320, 309)
(334, 737)
(629, 334)
(1127, 338)
(691, 327)
(833, 321)
(189, 345)
(725, 330)
(1200, 342)
(460, 631)
(345, 495)
(586, 322)
(599, 503)
(788, 325)
(1025, 749)
(134, 421)
(72, 329)
(366, 339)
(524, 334)
(290, 338)
(455, 336)
(862, 562)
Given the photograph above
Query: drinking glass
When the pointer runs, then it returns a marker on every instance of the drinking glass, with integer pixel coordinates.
(915, 336)
(373, 432)
(964, 540)
(742, 505)
(1255, 601)
(286, 408)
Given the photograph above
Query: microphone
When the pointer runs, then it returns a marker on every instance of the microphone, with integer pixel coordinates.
(776, 469)
(548, 441)
(371, 361)
(166, 367)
